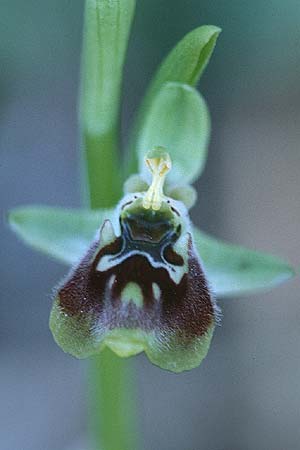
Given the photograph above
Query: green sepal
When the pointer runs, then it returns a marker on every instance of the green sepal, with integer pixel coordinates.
(65, 234)
(185, 63)
(187, 60)
(235, 270)
(179, 121)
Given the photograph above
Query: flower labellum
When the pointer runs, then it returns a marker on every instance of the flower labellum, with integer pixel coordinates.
(140, 286)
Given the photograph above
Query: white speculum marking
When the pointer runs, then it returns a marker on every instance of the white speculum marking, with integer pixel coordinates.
(132, 293)
(111, 281)
(156, 291)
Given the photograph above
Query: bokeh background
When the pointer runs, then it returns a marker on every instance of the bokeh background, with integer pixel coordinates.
(246, 394)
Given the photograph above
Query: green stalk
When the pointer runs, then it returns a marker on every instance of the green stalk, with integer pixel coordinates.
(112, 415)
(106, 31)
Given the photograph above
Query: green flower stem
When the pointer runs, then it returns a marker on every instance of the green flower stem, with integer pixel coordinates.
(102, 169)
(106, 30)
(112, 403)
(107, 26)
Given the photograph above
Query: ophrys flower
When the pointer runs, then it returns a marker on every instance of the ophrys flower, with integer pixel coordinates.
(141, 285)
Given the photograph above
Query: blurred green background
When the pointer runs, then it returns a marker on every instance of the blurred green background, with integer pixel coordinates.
(245, 395)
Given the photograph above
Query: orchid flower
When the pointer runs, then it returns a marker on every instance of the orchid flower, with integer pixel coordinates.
(143, 277)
